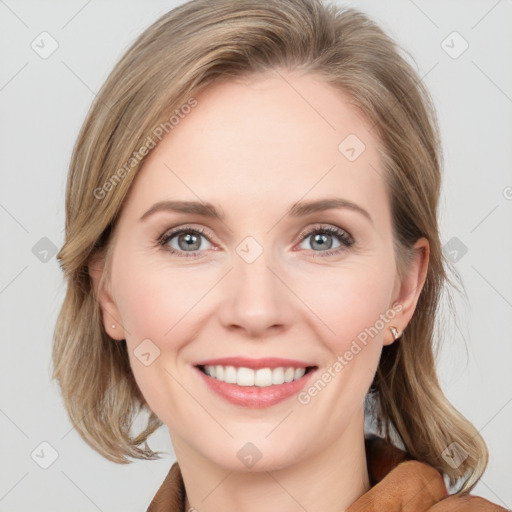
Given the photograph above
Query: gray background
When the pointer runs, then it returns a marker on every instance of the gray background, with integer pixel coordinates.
(43, 102)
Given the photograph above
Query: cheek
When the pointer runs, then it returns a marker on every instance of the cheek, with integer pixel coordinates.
(152, 301)
(354, 314)
(153, 306)
(166, 306)
(348, 301)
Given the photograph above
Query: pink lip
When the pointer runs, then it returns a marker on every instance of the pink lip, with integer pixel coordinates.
(255, 397)
(255, 364)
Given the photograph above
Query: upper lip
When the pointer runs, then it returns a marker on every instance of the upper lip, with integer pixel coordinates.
(255, 364)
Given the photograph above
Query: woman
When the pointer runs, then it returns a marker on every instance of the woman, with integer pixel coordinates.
(252, 254)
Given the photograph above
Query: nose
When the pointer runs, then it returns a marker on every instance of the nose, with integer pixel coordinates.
(257, 298)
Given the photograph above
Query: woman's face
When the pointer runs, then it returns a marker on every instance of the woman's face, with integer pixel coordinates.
(315, 286)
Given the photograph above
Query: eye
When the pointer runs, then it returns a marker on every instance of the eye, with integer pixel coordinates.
(322, 238)
(188, 241)
(183, 241)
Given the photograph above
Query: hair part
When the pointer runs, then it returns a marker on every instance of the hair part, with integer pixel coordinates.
(187, 49)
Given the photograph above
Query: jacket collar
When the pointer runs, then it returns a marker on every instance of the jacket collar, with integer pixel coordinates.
(398, 484)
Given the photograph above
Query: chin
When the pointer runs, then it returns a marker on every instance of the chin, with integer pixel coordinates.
(254, 457)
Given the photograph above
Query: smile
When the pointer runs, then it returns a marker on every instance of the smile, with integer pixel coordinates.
(254, 383)
(262, 377)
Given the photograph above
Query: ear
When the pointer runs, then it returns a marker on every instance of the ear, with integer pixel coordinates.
(407, 290)
(109, 312)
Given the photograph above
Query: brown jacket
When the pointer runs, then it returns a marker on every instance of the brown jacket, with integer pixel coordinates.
(398, 484)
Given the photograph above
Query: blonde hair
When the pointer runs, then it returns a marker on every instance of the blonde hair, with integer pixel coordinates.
(187, 49)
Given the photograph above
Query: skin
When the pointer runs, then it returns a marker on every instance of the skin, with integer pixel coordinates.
(253, 148)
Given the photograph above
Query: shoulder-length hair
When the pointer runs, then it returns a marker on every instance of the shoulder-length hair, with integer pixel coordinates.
(180, 54)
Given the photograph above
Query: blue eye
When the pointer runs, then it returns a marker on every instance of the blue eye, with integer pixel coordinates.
(322, 237)
(187, 238)
(189, 241)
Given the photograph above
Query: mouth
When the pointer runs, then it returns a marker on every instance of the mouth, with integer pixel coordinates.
(254, 383)
(261, 377)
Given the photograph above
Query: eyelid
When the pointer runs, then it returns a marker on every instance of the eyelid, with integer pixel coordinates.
(186, 227)
(322, 226)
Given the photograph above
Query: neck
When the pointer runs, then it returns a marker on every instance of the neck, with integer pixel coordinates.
(329, 480)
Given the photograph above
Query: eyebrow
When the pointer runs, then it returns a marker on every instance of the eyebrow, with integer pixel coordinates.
(298, 209)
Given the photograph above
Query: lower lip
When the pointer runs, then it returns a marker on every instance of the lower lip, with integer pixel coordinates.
(256, 397)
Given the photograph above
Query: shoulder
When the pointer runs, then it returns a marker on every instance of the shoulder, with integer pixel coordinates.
(402, 483)
(429, 489)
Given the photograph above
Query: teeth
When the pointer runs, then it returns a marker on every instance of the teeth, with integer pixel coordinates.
(248, 377)
(244, 377)
(230, 375)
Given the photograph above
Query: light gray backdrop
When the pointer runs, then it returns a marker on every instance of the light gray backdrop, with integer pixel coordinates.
(45, 91)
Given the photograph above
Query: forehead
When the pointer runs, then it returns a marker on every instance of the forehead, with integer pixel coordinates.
(278, 136)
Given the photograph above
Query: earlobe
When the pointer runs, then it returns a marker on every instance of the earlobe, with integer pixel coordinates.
(395, 332)
(109, 312)
(110, 317)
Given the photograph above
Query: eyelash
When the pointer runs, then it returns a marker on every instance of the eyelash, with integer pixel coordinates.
(345, 239)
